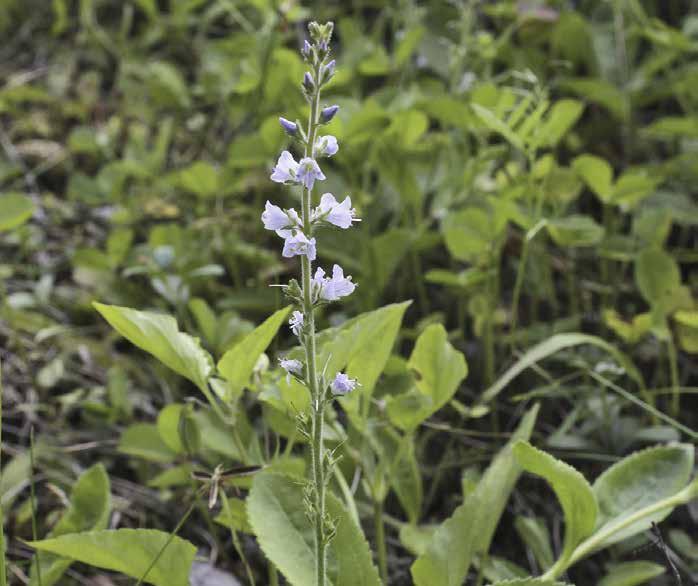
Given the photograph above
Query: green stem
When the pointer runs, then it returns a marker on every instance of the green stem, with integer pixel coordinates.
(273, 575)
(32, 497)
(674, 373)
(3, 570)
(236, 541)
(318, 402)
(380, 540)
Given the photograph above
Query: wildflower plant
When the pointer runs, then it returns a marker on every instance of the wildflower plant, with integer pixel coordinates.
(297, 230)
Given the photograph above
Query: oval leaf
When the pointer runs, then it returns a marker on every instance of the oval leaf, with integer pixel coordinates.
(128, 551)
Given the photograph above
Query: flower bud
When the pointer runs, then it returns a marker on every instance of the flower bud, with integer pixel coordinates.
(291, 128)
(307, 49)
(308, 83)
(328, 113)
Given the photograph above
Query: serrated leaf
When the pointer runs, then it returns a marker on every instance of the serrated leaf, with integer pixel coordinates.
(128, 551)
(470, 528)
(279, 520)
(159, 335)
(237, 364)
(639, 481)
(90, 506)
(572, 490)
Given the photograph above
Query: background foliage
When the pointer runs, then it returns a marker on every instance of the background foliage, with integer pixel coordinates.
(526, 172)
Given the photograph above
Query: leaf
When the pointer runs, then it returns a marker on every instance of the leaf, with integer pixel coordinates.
(529, 582)
(143, 440)
(572, 490)
(438, 369)
(639, 481)
(168, 427)
(534, 534)
(551, 346)
(238, 519)
(597, 174)
(128, 551)
(474, 234)
(15, 210)
(278, 517)
(470, 528)
(658, 278)
(631, 574)
(90, 506)
(601, 92)
(497, 125)
(575, 230)
(237, 364)
(159, 335)
(561, 118)
(200, 178)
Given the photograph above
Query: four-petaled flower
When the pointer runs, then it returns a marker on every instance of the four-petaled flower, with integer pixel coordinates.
(326, 145)
(282, 222)
(308, 172)
(333, 288)
(342, 384)
(338, 214)
(291, 367)
(296, 322)
(298, 244)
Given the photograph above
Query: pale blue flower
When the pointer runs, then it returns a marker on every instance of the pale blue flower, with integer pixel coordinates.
(281, 221)
(305, 51)
(291, 367)
(326, 145)
(286, 170)
(332, 289)
(298, 244)
(329, 69)
(296, 322)
(342, 384)
(338, 214)
(308, 172)
(328, 113)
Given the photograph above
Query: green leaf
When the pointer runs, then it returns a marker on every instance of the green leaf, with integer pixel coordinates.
(15, 210)
(574, 231)
(597, 174)
(534, 534)
(474, 234)
(200, 178)
(168, 427)
(572, 490)
(551, 346)
(658, 278)
(491, 121)
(639, 481)
(561, 118)
(471, 527)
(631, 574)
(237, 364)
(278, 517)
(529, 582)
(600, 92)
(128, 551)
(159, 335)
(90, 506)
(143, 440)
(438, 369)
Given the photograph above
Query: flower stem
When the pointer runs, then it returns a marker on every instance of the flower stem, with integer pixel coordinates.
(318, 403)
(380, 539)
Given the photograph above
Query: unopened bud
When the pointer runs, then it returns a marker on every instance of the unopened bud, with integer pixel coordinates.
(291, 128)
(328, 113)
(307, 48)
(308, 83)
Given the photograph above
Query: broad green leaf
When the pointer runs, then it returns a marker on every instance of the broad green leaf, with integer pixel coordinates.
(143, 440)
(237, 364)
(238, 516)
(572, 490)
(474, 234)
(159, 335)
(631, 574)
(630, 332)
(633, 186)
(127, 551)
(438, 369)
(284, 532)
(168, 425)
(601, 92)
(658, 278)
(637, 482)
(15, 210)
(551, 346)
(687, 330)
(597, 174)
(90, 506)
(200, 178)
(471, 527)
(575, 230)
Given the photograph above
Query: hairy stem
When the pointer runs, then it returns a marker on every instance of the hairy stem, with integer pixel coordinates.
(318, 403)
